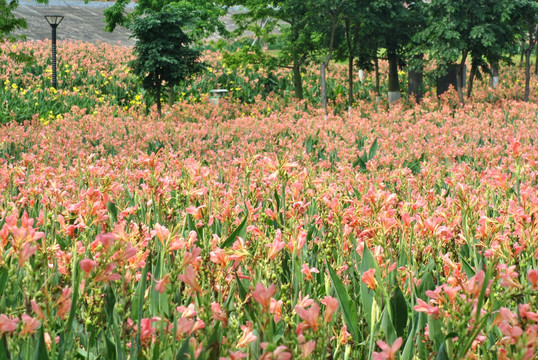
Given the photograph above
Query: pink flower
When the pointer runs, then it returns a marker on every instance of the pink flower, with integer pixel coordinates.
(508, 276)
(331, 305)
(248, 336)
(308, 348)
(389, 352)
(190, 278)
(422, 306)
(275, 308)
(30, 324)
(160, 285)
(369, 279)
(276, 246)
(263, 295)
(106, 240)
(26, 252)
(310, 316)
(7, 325)
(280, 353)
(147, 330)
(161, 232)
(308, 272)
(87, 265)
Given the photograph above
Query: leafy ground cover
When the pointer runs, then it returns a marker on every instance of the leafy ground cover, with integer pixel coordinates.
(265, 230)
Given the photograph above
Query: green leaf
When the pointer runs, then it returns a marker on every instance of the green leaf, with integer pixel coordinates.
(399, 311)
(388, 328)
(442, 355)
(40, 352)
(367, 295)
(65, 340)
(3, 280)
(434, 329)
(183, 351)
(348, 307)
(373, 150)
(241, 288)
(110, 349)
(240, 231)
(112, 211)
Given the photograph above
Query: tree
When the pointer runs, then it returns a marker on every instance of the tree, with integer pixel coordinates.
(163, 55)
(10, 23)
(482, 30)
(200, 18)
(296, 26)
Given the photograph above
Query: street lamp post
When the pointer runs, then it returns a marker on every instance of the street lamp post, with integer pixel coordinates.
(54, 21)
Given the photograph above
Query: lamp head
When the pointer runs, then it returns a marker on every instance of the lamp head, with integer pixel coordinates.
(54, 20)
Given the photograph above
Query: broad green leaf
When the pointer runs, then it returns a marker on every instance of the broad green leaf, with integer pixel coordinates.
(367, 295)
(388, 328)
(3, 280)
(40, 352)
(65, 339)
(348, 307)
(112, 211)
(373, 150)
(183, 351)
(399, 311)
(241, 231)
(442, 355)
(434, 329)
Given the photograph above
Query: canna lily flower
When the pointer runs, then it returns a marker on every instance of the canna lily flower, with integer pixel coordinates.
(30, 324)
(248, 336)
(190, 279)
(280, 353)
(275, 308)
(87, 265)
(308, 272)
(263, 295)
(308, 348)
(7, 324)
(509, 278)
(310, 316)
(161, 232)
(422, 306)
(26, 252)
(160, 285)
(369, 279)
(276, 246)
(331, 305)
(389, 352)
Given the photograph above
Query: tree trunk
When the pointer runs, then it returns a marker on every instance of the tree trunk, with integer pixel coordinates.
(351, 59)
(536, 56)
(394, 84)
(416, 76)
(350, 97)
(522, 53)
(494, 76)
(377, 85)
(471, 78)
(459, 79)
(170, 91)
(158, 100)
(323, 88)
(528, 52)
(297, 80)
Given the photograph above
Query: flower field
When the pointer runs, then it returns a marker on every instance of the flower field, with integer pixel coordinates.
(262, 229)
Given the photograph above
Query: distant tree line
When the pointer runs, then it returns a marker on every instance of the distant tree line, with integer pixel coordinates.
(451, 33)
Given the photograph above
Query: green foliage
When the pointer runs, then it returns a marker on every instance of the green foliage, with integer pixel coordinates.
(199, 18)
(163, 55)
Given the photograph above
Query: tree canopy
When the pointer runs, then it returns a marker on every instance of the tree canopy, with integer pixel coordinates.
(163, 55)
